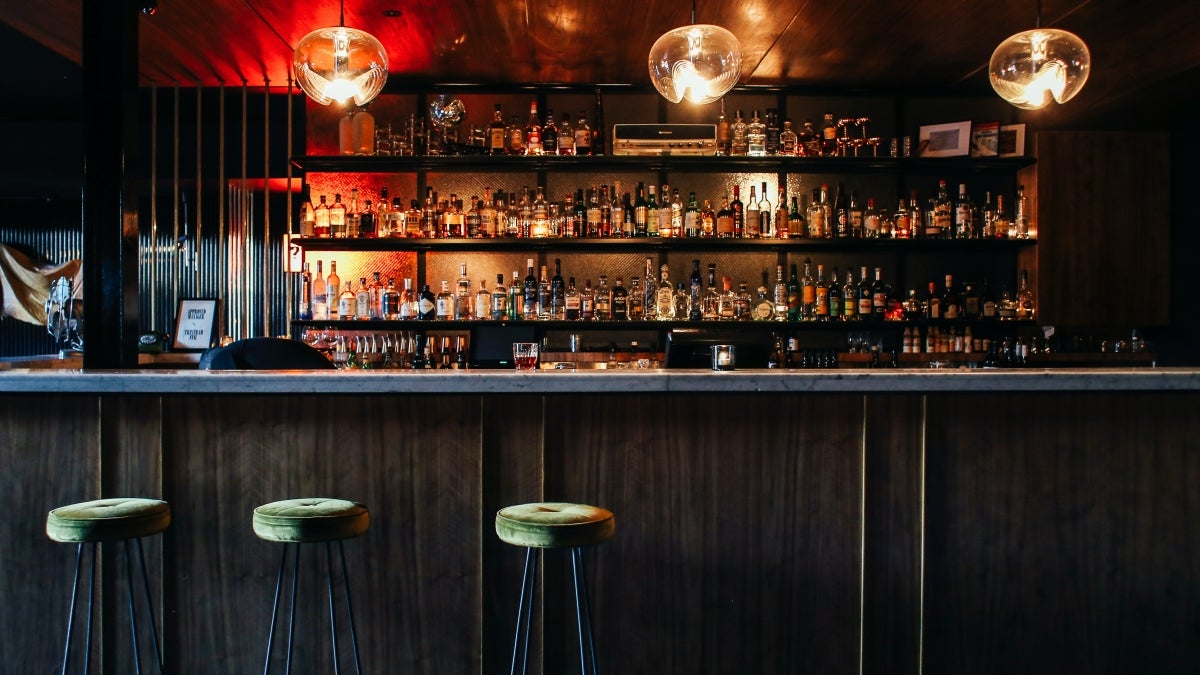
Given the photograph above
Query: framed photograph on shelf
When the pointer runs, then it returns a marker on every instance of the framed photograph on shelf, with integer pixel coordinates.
(197, 324)
(945, 140)
(985, 138)
(1011, 142)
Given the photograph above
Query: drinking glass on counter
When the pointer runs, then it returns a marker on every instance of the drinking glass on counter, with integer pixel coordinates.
(525, 355)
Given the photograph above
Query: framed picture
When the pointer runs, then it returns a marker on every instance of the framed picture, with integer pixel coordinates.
(945, 140)
(985, 138)
(196, 324)
(1011, 142)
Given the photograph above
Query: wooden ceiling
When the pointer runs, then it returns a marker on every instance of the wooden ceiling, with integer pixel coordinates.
(926, 45)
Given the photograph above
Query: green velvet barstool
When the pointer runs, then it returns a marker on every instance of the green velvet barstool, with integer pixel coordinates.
(311, 521)
(124, 519)
(554, 525)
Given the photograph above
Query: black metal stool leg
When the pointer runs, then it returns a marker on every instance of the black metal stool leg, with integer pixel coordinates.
(275, 609)
(137, 656)
(332, 614)
(71, 611)
(149, 607)
(292, 611)
(350, 609)
(525, 611)
(87, 648)
(583, 613)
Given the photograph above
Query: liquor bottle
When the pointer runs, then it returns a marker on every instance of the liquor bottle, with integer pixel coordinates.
(516, 137)
(664, 298)
(375, 290)
(635, 299)
(772, 121)
(583, 135)
(963, 209)
(462, 299)
(762, 307)
(724, 132)
(752, 228)
(1002, 226)
(765, 213)
(566, 136)
(870, 221)
(695, 290)
(737, 213)
(1020, 221)
(849, 298)
(866, 299)
(603, 296)
(797, 225)
(880, 294)
(529, 303)
(836, 304)
(337, 218)
(320, 296)
(676, 214)
(499, 299)
(619, 307)
(808, 293)
(743, 304)
(641, 212)
(333, 283)
(933, 303)
(901, 224)
(571, 301)
(304, 309)
(549, 135)
(409, 301)
(711, 300)
(587, 301)
(817, 212)
(681, 301)
(942, 221)
(780, 295)
(788, 139)
(1007, 309)
(599, 137)
(828, 136)
(795, 296)
(781, 222)
(1025, 305)
(841, 215)
(444, 303)
(383, 214)
(308, 214)
(739, 136)
(971, 308)
(496, 132)
(533, 132)
(951, 302)
(691, 217)
(756, 136)
(606, 214)
(483, 302)
(821, 294)
(708, 220)
(727, 301)
(390, 301)
(543, 295)
(857, 218)
(558, 293)
(516, 297)
(653, 217)
(806, 140)
(988, 307)
(321, 219)
(346, 302)
(665, 211)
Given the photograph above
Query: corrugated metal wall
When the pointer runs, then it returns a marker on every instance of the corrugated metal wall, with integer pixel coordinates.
(214, 204)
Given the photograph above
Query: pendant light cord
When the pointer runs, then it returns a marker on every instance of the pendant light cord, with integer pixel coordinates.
(342, 11)
(1038, 24)
(694, 11)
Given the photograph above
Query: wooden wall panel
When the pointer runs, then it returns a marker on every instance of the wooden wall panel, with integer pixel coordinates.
(1103, 229)
(415, 463)
(1063, 539)
(737, 546)
(50, 451)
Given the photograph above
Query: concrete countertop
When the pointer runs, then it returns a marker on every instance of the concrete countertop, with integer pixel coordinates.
(186, 382)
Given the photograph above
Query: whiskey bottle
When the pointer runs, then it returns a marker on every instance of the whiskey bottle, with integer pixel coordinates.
(445, 302)
(653, 216)
(636, 300)
(1020, 221)
(691, 217)
(782, 222)
(620, 301)
(951, 302)
(1025, 306)
(603, 308)
(817, 213)
(711, 302)
(516, 137)
(964, 227)
(496, 132)
(724, 133)
(708, 220)
(583, 135)
(571, 301)
(880, 296)
(483, 301)
(587, 301)
(566, 136)
(795, 296)
(743, 304)
(788, 139)
(549, 135)
(533, 132)
(762, 307)
(346, 303)
(724, 220)
(870, 219)
(942, 222)
(727, 302)
(737, 213)
(321, 219)
(362, 300)
(499, 299)
(772, 121)
(828, 136)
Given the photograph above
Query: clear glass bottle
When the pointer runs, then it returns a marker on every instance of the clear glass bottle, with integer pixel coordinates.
(765, 213)
(943, 214)
(334, 284)
(445, 302)
(739, 141)
(816, 214)
(788, 139)
(756, 136)
(321, 219)
(320, 296)
(964, 228)
(346, 302)
(726, 301)
(691, 217)
(763, 308)
(743, 304)
(497, 132)
(1026, 310)
(695, 293)
(409, 302)
(711, 301)
(664, 299)
(583, 135)
(752, 225)
(483, 301)
(680, 301)
(337, 218)
(780, 295)
(499, 299)
(533, 132)
(566, 136)
(463, 295)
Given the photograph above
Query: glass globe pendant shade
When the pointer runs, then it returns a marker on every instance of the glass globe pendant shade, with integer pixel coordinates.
(339, 63)
(1032, 68)
(700, 62)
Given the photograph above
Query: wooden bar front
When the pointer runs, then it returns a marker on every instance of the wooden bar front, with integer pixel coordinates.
(772, 533)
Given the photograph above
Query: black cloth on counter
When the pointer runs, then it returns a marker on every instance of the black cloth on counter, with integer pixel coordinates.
(265, 353)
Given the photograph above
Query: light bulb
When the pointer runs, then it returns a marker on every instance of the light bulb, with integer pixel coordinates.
(339, 63)
(700, 62)
(1032, 68)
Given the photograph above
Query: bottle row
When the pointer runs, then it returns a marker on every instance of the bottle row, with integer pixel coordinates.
(809, 296)
(603, 211)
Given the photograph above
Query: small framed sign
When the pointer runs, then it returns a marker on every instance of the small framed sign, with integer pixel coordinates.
(945, 140)
(1011, 142)
(196, 324)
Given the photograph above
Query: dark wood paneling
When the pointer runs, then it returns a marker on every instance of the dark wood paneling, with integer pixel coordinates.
(51, 457)
(1103, 229)
(1065, 540)
(738, 530)
(413, 461)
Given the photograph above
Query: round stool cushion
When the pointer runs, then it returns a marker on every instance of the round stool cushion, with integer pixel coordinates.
(108, 520)
(554, 524)
(309, 520)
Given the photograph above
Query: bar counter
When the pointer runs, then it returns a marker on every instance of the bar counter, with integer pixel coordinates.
(845, 521)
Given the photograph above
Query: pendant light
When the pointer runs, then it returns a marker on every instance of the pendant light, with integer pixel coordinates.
(340, 63)
(699, 62)
(1031, 68)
